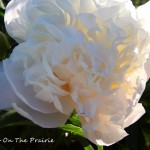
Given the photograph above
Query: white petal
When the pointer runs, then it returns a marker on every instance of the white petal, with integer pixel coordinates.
(108, 12)
(143, 13)
(147, 70)
(7, 95)
(88, 107)
(48, 69)
(137, 112)
(86, 19)
(16, 21)
(44, 120)
(87, 6)
(20, 15)
(48, 29)
(62, 72)
(1, 67)
(76, 4)
(66, 105)
(14, 73)
(108, 137)
(101, 130)
(66, 6)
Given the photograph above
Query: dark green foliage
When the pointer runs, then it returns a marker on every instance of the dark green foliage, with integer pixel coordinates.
(139, 2)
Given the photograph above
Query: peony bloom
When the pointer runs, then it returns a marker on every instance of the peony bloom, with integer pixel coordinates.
(87, 55)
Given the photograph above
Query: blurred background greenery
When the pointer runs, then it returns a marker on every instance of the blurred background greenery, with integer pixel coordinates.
(12, 125)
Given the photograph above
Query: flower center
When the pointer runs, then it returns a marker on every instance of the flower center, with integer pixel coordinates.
(66, 87)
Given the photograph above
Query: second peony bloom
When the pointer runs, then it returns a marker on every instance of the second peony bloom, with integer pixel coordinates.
(87, 55)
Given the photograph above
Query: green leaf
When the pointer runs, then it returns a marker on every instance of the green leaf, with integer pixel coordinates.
(100, 147)
(84, 142)
(4, 46)
(74, 119)
(73, 129)
(89, 147)
(2, 4)
(2, 11)
(5, 114)
(12, 118)
(19, 123)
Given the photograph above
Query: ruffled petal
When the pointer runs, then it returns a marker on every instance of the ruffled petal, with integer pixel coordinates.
(7, 96)
(143, 13)
(136, 113)
(111, 136)
(20, 16)
(16, 21)
(101, 131)
(45, 120)
(14, 73)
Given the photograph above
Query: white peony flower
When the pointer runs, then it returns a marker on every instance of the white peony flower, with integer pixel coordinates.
(89, 55)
